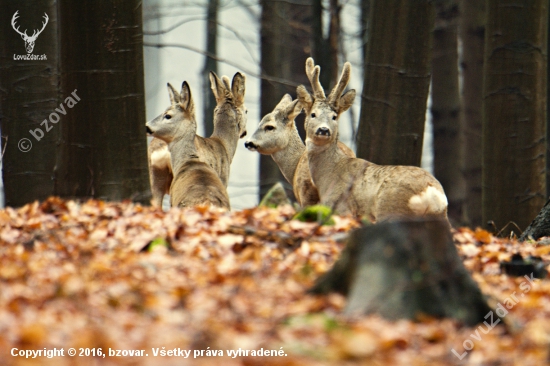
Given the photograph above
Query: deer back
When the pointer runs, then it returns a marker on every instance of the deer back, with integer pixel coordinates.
(196, 183)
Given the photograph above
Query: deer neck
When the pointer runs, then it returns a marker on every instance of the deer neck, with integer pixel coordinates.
(182, 149)
(287, 159)
(226, 129)
(323, 160)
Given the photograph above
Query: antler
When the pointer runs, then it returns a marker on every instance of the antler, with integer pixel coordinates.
(313, 73)
(336, 92)
(13, 19)
(35, 35)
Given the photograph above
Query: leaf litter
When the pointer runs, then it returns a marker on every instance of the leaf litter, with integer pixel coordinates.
(123, 276)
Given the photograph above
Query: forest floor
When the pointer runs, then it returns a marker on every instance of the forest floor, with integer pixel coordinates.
(229, 288)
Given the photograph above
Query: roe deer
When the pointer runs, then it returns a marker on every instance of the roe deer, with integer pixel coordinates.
(195, 182)
(277, 136)
(217, 150)
(356, 186)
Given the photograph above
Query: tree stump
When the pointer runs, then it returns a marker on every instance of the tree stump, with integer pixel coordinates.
(405, 269)
(540, 226)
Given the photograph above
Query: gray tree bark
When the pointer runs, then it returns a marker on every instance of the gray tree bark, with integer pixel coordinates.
(210, 64)
(103, 150)
(472, 33)
(445, 108)
(396, 82)
(514, 124)
(28, 96)
(402, 269)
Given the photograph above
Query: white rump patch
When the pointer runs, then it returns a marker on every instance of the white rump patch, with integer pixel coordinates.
(161, 158)
(430, 201)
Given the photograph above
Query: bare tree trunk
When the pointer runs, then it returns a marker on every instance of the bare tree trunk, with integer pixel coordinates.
(210, 64)
(472, 34)
(396, 82)
(285, 41)
(103, 151)
(29, 94)
(445, 108)
(514, 123)
(273, 39)
(402, 269)
(325, 49)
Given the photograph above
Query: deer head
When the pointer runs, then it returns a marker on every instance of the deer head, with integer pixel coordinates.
(230, 99)
(322, 112)
(273, 132)
(177, 119)
(29, 40)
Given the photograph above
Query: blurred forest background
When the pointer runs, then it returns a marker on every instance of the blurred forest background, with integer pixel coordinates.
(476, 69)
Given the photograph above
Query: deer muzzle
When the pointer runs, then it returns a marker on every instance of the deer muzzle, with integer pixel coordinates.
(149, 131)
(323, 131)
(251, 146)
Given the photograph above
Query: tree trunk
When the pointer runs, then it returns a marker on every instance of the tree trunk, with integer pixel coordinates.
(29, 94)
(514, 124)
(285, 42)
(404, 269)
(396, 82)
(103, 151)
(472, 34)
(445, 108)
(210, 64)
(540, 226)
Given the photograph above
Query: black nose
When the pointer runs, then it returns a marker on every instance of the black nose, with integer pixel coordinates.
(243, 135)
(323, 131)
(149, 131)
(250, 145)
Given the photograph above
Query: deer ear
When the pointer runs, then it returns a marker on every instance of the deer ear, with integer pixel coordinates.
(293, 109)
(285, 100)
(174, 95)
(238, 88)
(346, 101)
(186, 98)
(304, 97)
(217, 87)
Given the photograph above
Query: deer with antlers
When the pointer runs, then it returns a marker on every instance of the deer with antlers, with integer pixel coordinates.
(29, 40)
(217, 150)
(195, 182)
(277, 136)
(356, 186)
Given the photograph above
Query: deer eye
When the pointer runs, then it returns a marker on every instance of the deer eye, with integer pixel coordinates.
(313, 115)
(269, 128)
(334, 118)
(167, 116)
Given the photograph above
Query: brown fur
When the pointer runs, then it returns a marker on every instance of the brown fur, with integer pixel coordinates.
(286, 148)
(355, 186)
(195, 182)
(217, 150)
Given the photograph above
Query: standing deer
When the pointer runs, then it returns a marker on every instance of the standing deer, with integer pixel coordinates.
(195, 182)
(217, 150)
(356, 186)
(29, 40)
(277, 136)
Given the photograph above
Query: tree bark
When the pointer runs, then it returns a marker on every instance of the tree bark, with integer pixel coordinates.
(29, 94)
(210, 64)
(396, 82)
(472, 34)
(103, 151)
(514, 124)
(540, 226)
(404, 269)
(445, 108)
(285, 46)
